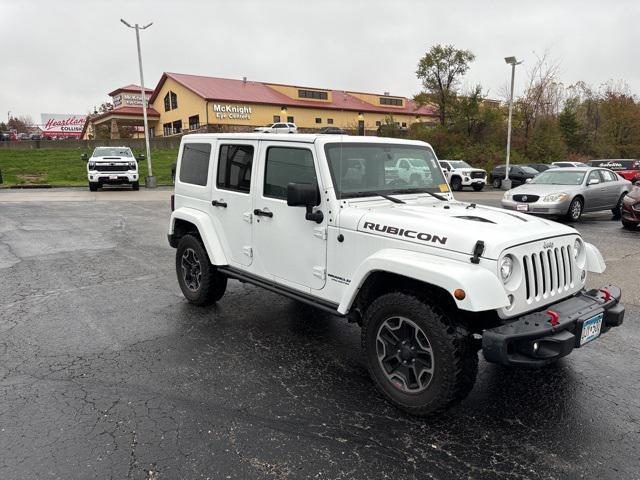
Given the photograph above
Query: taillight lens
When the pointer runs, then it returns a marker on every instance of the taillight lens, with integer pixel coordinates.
(173, 202)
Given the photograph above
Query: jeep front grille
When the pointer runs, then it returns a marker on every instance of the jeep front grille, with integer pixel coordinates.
(548, 272)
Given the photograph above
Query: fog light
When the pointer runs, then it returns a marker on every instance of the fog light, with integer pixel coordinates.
(459, 294)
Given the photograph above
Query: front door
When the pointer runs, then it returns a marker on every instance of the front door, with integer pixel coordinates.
(231, 205)
(287, 248)
(594, 192)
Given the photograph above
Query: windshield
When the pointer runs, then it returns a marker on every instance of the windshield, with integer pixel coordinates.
(365, 169)
(112, 152)
(529, 170)
(459, 164)
(559, 177)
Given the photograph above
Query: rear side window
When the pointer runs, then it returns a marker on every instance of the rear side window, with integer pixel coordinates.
(234, 167)
(287, 165)
(194, 166)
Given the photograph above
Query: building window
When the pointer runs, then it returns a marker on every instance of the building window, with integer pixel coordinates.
(194, 165)
(404, 124)
(170, 101)
(290, 120)
(177, 126)
(330, 121)
(287, 165)
(313, 94)
(276, 118)
(194, 122)
(318, 120)
(378, 123)
(167, 130)
(234, 167)
(397, 102)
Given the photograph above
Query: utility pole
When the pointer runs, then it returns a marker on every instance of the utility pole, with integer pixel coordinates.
(150, 180)
(506, 183)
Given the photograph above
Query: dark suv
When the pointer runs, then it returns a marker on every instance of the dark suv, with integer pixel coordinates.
(518, 174)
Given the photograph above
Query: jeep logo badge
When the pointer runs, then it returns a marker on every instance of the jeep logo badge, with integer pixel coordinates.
(547, 245)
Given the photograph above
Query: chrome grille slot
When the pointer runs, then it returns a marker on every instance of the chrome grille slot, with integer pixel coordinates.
(547, 273)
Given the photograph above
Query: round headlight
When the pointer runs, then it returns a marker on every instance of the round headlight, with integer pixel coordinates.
(506, 268)
(577, 248)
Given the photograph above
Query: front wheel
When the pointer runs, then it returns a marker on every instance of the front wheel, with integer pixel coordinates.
(93, 187)
(419, 359)
(456, 184)
(496, 183)
(135, 186)
(199, 281)
(575, 210)
(629, 225)
(478, 187)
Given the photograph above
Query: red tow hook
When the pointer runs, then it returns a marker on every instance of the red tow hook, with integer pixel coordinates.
(554, 318)
(607, 294)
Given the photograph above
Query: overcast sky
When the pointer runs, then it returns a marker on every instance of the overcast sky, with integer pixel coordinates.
(64, 56)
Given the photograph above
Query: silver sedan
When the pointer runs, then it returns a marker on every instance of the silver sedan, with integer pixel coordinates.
(568, 192)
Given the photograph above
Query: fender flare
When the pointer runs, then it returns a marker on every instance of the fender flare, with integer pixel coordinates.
(594, 261)
(210, 238)
(483, 289)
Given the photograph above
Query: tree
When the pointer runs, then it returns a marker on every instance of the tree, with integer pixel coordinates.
(440, 70)
(569, 126)
(466, 112)
(21, 124)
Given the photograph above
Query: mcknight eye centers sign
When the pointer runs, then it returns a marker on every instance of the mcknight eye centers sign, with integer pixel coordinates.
(233, 112)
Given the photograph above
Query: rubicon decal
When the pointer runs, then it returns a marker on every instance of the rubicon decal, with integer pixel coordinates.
(401, 232)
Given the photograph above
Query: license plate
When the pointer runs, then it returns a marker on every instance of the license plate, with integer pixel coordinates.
(113, 177)
(522, 207)
(591, 329)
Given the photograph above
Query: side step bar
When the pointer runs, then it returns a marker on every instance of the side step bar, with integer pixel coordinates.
(328, 307)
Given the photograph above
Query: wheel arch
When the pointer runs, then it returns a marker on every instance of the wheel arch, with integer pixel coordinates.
(186, 220)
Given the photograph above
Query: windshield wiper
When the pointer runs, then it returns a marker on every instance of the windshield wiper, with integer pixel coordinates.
(364, 194)
(421, 190)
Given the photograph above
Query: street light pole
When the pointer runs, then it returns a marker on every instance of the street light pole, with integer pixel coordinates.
(150, 180)
(506, 183)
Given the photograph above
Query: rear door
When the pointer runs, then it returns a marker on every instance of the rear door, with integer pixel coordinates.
(289, 249)
(612, 188)
(231, 198)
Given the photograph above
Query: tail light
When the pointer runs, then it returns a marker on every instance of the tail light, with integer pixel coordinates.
(173, 202)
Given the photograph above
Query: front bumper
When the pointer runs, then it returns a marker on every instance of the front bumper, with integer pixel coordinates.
(538, 208)
(113, 177)
(539, 338)
(629, 213)
(468, 181)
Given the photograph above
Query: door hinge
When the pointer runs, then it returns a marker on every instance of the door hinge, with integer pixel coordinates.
(247, 217)
(320, 232)
(318, 271)
(248, 251)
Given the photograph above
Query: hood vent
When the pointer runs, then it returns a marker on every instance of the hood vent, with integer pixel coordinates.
(474, 218)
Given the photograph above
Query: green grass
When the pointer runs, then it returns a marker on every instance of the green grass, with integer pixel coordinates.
(63, 167)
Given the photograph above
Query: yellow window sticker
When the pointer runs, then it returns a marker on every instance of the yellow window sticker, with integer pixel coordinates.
(443, 187)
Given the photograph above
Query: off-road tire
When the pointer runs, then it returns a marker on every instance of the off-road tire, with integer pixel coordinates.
(93, 187)
(455, 356)
(456, 184)
(496, 183)
(478, 188)
(629, 225)
(574, 213)
(135, 186)
(617, 210)
(211, 285)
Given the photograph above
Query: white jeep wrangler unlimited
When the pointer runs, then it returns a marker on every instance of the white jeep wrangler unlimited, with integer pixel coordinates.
(430, 280)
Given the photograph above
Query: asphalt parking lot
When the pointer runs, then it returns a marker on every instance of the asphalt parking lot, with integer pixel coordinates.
(107, 372)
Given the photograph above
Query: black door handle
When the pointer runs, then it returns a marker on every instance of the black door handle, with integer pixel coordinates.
(262, 213)
(216, 203)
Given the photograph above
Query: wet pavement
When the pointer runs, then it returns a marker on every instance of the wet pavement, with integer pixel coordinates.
(107, 372)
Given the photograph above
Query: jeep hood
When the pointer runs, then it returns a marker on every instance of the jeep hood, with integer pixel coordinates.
(453, 226)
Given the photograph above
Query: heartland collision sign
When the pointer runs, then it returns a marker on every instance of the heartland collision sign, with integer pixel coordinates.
(62, 125)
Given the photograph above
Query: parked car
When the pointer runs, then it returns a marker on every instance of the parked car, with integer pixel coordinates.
(568, 192)
(518, 174)
(540, 167)
(35, 136)
(407, 171)
(626, 168)
(460, 174)
(278, 128)
(569, 164)
(630, 214)
(112, 165)
(5, 136)
(332, 131)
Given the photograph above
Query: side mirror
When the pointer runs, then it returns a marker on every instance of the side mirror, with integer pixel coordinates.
(84, 157)
(140, 157)
(305, 195)
(593, 181)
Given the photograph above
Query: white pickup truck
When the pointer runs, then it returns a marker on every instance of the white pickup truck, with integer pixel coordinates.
(460, 174)
(326, 220)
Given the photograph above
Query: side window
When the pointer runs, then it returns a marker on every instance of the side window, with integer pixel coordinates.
(608, 176)
(593, 176)
(286, 165)
(194, 166)
(234, 167)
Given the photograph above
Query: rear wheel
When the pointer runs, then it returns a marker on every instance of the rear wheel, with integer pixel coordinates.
(575, 210)
(199, 281)
(617, 210)
(478, 187)
(456, 184)
(418, 357)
